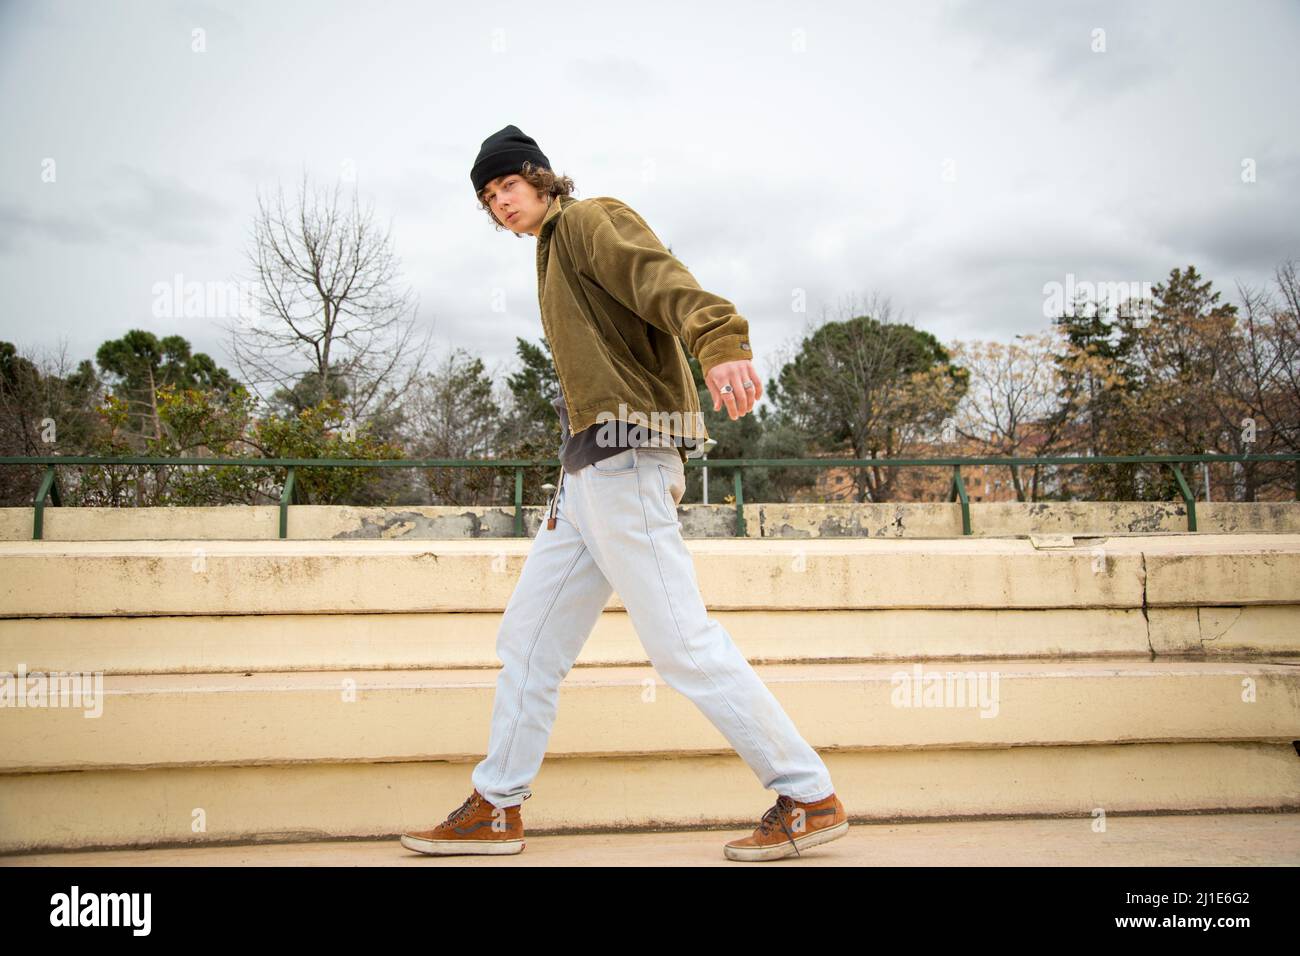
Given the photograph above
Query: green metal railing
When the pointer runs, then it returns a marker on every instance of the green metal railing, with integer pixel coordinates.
(49, 487)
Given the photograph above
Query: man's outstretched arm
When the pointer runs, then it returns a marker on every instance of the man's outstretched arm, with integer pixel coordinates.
(628, 260)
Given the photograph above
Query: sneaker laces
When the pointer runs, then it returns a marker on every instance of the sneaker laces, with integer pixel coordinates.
(776, 815)
(463, 810)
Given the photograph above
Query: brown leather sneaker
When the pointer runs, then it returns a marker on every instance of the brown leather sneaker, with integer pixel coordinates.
(790, 827)
(475, 827)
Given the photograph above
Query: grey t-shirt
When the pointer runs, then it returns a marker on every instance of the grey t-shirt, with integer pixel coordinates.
(579, 451)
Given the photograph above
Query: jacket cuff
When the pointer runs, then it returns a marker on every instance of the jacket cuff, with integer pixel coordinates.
(729, 348)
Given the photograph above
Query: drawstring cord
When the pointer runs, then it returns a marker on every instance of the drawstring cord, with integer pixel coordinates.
(555, 502)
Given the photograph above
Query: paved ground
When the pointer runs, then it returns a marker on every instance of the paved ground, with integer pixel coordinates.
(1242, 839)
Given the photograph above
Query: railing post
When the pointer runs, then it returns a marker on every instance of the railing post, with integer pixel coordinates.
(49, 487)
(519, 502)
(1188, 498)
(740, 505)
(285, 498)
(958, 490)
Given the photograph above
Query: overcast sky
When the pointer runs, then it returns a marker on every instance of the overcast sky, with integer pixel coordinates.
(952, 156)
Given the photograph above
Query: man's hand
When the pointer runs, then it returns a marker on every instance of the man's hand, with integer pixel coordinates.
(740, 399)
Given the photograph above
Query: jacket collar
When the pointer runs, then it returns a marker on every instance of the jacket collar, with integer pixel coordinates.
(548, 221)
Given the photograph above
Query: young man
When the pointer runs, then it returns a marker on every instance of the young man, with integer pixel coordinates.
(614, 305)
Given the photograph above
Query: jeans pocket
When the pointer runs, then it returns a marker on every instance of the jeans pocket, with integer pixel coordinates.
(674, 482)
(620, 463)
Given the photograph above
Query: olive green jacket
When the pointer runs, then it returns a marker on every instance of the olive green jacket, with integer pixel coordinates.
(614, 302)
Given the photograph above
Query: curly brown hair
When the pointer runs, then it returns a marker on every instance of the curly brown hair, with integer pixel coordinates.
(540, 178)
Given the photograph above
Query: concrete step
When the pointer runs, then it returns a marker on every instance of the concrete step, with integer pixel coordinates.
(315, 689)
(1220, 839)
(163, 607)
(347, 754)
(241, 643)
(314, 801)
(181, 720)
(131, 578)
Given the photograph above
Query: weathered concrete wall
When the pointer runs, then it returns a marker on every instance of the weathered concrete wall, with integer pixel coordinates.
(938, 519)
(923, 520)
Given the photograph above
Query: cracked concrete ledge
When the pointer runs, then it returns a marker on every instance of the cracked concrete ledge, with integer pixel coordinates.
(1045, 521)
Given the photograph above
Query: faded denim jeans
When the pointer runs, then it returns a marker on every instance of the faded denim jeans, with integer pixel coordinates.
(616, 530)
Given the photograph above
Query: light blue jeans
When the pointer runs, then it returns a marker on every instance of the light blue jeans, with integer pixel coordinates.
(616, 529)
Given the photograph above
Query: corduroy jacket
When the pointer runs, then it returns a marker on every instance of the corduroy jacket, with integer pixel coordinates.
(614, 302)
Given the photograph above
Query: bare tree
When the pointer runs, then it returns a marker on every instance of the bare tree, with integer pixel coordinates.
(48, 406)
(453, 414)
(1012, 394)
(331, 320)
(1285, 334)
(1258, 401)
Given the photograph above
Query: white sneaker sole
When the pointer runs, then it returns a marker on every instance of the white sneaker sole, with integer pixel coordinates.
(457, 847)
(779, 850)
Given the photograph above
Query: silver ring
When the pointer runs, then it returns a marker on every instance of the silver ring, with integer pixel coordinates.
(726, 390)
(748, 384)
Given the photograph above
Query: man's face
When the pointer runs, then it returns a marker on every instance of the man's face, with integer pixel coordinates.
(515, 203)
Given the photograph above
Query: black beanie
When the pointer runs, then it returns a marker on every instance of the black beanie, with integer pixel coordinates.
(505, 152)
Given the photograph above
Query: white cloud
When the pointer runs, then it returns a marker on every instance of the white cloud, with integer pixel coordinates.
(766, 167)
